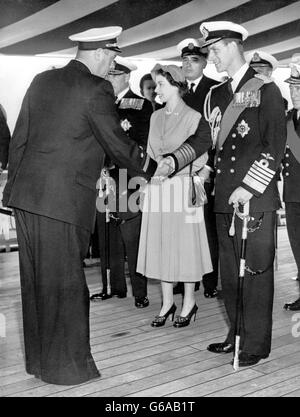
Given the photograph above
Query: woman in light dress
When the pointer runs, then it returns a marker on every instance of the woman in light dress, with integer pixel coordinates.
(173, 241)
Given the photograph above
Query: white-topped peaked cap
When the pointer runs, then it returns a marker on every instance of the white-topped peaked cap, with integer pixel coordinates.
(295, 70)
(191, 46)
(95, 38)
(262, 59)
(122, 65)
(215, 31)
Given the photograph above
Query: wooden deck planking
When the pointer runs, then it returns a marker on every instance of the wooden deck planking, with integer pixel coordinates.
(137, 360)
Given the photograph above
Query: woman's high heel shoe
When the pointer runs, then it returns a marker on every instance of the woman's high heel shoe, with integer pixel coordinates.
(185, 321)
(161, 320)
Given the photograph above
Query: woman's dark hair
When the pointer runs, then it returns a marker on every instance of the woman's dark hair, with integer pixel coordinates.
(144, 78)
(182, 86)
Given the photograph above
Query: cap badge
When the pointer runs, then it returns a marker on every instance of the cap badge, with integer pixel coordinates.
(256, 57)
(191, 46)
(205, 32)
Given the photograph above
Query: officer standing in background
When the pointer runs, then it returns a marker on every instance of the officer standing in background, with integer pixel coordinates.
(263, 63)
(246, 118)
(291, 171)
(194, 60)
(67, 124)
(4, 140)
(124, 226)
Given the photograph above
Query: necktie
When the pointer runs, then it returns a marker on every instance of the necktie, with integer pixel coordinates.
(229, 86)
(191, 89)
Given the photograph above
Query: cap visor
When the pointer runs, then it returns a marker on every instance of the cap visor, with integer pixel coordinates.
(291, 80)
(210, 42)
(114, 48)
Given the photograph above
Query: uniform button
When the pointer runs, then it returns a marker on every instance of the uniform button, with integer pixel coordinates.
(221, 149)
(233, 147)
(287, 147)
(231, 171)
(219, 159)
(142, 155)
(233, 158)
(218, 171)
(287, 174)
(234, 135)
(287, 164)
(287, 155)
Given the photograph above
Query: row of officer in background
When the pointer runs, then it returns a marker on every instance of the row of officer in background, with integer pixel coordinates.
(124, 228)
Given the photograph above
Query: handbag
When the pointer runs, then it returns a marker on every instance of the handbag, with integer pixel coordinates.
(197, 194)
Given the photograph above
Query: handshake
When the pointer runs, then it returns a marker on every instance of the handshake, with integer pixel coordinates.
(165, 167)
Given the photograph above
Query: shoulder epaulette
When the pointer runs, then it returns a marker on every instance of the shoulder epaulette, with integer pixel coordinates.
(131, 103)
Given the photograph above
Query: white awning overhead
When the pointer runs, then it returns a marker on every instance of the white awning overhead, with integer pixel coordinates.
(152, 29)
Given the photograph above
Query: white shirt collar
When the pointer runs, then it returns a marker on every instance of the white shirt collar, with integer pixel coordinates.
(122, 94)
(236, 78)
(195, 82)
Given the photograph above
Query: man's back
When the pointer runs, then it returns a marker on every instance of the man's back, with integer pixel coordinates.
(67, 123)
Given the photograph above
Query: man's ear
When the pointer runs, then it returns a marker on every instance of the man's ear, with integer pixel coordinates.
(127, 77)
(98, 53)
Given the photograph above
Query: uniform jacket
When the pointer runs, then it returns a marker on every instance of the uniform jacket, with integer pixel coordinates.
(196, 100)
(67, 123)
(4, 140)
(135, 113)
(291, 167)
(252, 151)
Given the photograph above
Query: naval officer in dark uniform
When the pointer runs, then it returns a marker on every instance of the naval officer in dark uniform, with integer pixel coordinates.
(4, 140)
(125, 223)
(246, 118)
(263, 63)
(194, 61)
(291, 171)
(67, 124)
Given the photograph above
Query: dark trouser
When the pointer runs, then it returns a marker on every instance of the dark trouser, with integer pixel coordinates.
(292, 211)
(55, 299)
(210, 281)
(123, 238)
(258, 293)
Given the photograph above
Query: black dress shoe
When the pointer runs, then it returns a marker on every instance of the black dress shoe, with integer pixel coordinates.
(246, 359)
(100, 296)
(160, 321)
(211, 293)
(294, 306)
(183, 321)
(141, 302)
(221, 347)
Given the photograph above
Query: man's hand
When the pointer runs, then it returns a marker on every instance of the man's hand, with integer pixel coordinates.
(204, 173)
(240, 196)
(165, 167)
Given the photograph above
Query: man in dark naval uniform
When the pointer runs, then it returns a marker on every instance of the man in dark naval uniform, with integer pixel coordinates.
(246, 118)
(67, 124)
(194, 60)
(291, 171)
(4, 140)
(124, 226)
